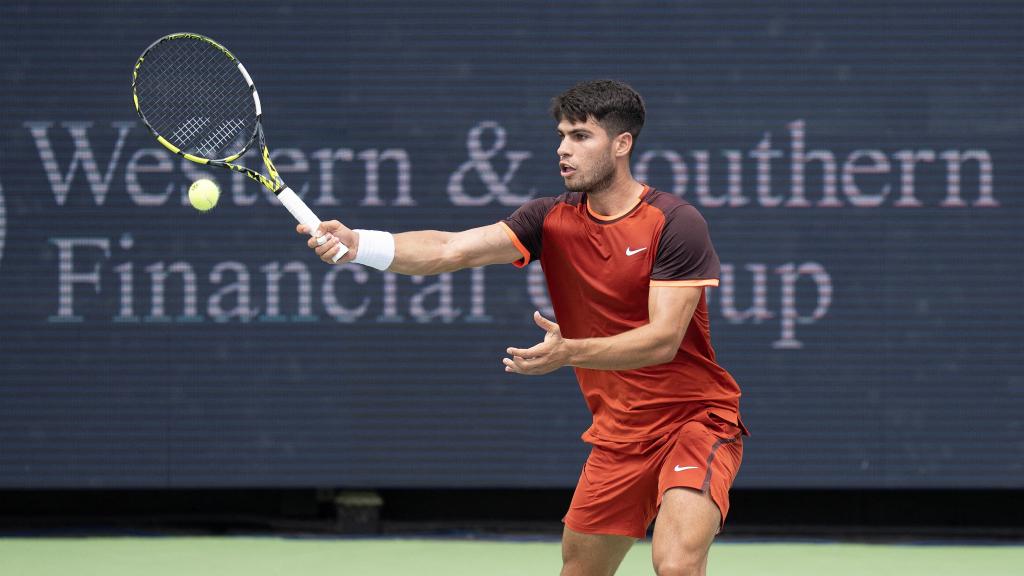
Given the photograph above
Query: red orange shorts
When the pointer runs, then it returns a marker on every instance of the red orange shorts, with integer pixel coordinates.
(621, 485)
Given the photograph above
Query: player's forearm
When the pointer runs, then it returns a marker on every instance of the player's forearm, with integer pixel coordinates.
(647, 345)
(424, 253)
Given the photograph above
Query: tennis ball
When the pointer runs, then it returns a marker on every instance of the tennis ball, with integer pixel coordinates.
(203, 194)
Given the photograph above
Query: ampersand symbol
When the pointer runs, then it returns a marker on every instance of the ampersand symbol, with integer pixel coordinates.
(480, 162)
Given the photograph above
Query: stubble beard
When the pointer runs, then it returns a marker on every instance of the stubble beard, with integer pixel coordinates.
(603, 176)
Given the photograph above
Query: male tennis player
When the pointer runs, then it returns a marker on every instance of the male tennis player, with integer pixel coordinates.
(626, 267)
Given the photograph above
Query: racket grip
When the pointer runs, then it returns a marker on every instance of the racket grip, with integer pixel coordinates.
(304, 215)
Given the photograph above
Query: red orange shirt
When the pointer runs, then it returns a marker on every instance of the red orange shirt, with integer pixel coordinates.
(599, 272)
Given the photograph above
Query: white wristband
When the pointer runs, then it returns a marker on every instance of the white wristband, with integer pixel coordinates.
(376, 249)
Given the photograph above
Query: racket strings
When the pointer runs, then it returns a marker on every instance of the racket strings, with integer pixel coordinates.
(220, 137)
(195, 97)
(189, 130)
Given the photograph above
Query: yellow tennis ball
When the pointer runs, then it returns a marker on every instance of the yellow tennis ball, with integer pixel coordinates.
(203, 194)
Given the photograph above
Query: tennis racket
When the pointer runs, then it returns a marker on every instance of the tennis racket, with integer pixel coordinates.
(200, 103)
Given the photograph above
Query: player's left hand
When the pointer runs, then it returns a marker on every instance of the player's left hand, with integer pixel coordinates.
(548, 356)
(332, 233)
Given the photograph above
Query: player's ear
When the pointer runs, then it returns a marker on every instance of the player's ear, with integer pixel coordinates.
(623, 144)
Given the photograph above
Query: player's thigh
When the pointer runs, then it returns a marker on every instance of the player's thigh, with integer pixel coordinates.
(592, 554)
(687, 523)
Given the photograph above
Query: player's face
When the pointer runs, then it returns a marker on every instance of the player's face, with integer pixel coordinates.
(586, 157)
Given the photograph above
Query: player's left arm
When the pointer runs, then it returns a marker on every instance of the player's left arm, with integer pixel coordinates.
(670, 309)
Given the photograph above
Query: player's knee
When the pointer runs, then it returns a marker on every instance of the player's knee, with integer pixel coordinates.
(575, 562)
(572, 561)
(680, 564)
(581, 567)
(571, 567)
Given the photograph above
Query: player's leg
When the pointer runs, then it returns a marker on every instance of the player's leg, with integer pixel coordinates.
(592, 554)
(686, 525)
(694, 483)
(614, 502)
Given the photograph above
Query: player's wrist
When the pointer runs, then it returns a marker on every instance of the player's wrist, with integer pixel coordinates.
(374, 248)
(571, 352)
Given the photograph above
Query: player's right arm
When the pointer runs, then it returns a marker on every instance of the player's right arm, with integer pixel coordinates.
(425, 252)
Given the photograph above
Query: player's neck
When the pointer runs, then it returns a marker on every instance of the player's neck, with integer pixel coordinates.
(618, 197)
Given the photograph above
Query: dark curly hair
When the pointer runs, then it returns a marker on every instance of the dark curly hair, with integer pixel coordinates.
(614, 105)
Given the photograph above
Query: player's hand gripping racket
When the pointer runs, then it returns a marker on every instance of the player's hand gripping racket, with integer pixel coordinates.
(200, 103)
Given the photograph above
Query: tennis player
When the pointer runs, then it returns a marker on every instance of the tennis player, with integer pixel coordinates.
(626, 267)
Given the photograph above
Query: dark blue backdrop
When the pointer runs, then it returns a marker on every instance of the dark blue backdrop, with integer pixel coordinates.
(859, 165)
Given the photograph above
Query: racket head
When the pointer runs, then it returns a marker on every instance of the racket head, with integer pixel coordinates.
(196, 98)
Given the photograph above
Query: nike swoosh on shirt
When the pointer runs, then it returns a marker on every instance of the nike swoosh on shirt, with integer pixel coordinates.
(682, 468)
(631, 252)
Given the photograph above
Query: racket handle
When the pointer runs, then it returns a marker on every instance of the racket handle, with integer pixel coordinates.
(304, 215)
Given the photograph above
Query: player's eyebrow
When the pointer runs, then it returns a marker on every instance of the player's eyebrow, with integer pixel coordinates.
(575, 131)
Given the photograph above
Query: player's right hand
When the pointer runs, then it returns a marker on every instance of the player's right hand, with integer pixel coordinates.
(326, 246)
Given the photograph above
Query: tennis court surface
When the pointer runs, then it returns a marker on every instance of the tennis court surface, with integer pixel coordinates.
(265, 556)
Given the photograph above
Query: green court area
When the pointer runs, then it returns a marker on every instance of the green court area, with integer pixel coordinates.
(259, 556)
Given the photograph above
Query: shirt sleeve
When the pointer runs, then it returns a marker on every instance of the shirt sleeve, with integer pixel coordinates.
(526, 228)
(685, 255)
